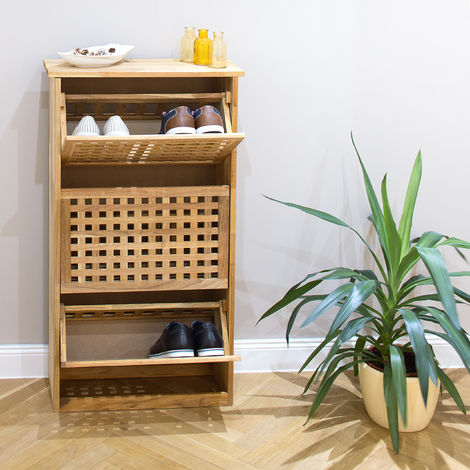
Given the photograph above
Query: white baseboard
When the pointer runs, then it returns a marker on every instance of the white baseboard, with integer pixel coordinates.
(23, 360)
(258, 355)
(273, 355)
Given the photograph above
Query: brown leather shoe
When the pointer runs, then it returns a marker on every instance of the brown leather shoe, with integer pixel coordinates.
(208, 120)
(178, 121)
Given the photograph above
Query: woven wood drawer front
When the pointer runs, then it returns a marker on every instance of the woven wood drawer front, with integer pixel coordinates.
(153, 149)
(144, 239)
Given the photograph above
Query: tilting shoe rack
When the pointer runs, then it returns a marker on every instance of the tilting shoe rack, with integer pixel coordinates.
(142, 232)
(147, 149)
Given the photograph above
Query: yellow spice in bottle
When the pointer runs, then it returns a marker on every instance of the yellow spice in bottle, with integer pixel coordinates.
(202, 48)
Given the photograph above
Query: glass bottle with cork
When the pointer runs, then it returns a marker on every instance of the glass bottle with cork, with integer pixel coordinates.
(219, 51)
(187, 45)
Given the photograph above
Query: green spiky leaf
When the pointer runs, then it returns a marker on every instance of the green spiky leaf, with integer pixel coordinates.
(329, 301)
(435, 263)
(450, 387)
(392, 408)
(404, 229)
(397, 362)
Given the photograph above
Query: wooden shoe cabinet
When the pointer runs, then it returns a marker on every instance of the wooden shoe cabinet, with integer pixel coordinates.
(142, 232)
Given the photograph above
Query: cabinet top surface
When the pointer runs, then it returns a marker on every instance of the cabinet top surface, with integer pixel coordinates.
(140, 68)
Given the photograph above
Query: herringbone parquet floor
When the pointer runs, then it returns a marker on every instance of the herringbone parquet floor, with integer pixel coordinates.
(263, 430)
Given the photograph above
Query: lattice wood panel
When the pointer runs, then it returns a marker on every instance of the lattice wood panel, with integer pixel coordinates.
(144, 239)
(149, 149)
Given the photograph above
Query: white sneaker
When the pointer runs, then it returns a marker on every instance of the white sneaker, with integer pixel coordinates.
(115, 126)
(87, 126)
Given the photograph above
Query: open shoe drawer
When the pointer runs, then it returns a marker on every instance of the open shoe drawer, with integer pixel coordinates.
(121, 335)
(142, 114)
(104, 364)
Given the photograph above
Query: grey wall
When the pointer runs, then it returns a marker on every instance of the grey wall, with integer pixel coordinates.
(396, 73)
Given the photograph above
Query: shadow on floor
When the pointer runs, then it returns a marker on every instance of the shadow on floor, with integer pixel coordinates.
(30, 405)
(340, 433)
(342, 428)
(134, 423)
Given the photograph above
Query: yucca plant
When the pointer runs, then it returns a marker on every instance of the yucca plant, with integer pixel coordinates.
(400, 319)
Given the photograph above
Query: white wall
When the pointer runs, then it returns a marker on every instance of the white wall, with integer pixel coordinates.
(395, 73)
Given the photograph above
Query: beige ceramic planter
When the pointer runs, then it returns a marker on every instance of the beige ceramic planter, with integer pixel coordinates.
(372, 388)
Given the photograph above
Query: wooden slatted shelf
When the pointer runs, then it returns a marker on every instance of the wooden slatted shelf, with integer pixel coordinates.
(140, 393)
(149, 149)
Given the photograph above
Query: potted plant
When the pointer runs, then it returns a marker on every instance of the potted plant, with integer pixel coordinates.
(381, 326)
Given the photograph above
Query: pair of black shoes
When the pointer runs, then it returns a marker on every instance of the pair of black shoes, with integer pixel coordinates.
(178, 340)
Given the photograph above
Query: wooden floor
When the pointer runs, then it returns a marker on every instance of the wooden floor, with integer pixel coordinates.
(263, 430)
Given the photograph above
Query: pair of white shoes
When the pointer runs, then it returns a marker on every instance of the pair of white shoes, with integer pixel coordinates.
(113, 126)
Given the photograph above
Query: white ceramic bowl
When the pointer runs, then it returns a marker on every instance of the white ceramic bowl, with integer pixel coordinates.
(97, 61)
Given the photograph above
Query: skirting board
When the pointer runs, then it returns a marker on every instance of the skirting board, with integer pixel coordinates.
(258, 355)
(273, 355)
(23, 360)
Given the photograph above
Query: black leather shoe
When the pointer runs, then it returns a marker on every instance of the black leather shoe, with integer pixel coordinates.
(207, 340)
(175, 341)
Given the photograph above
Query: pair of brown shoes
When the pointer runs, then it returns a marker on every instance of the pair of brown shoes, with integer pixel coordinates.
(204, 120)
